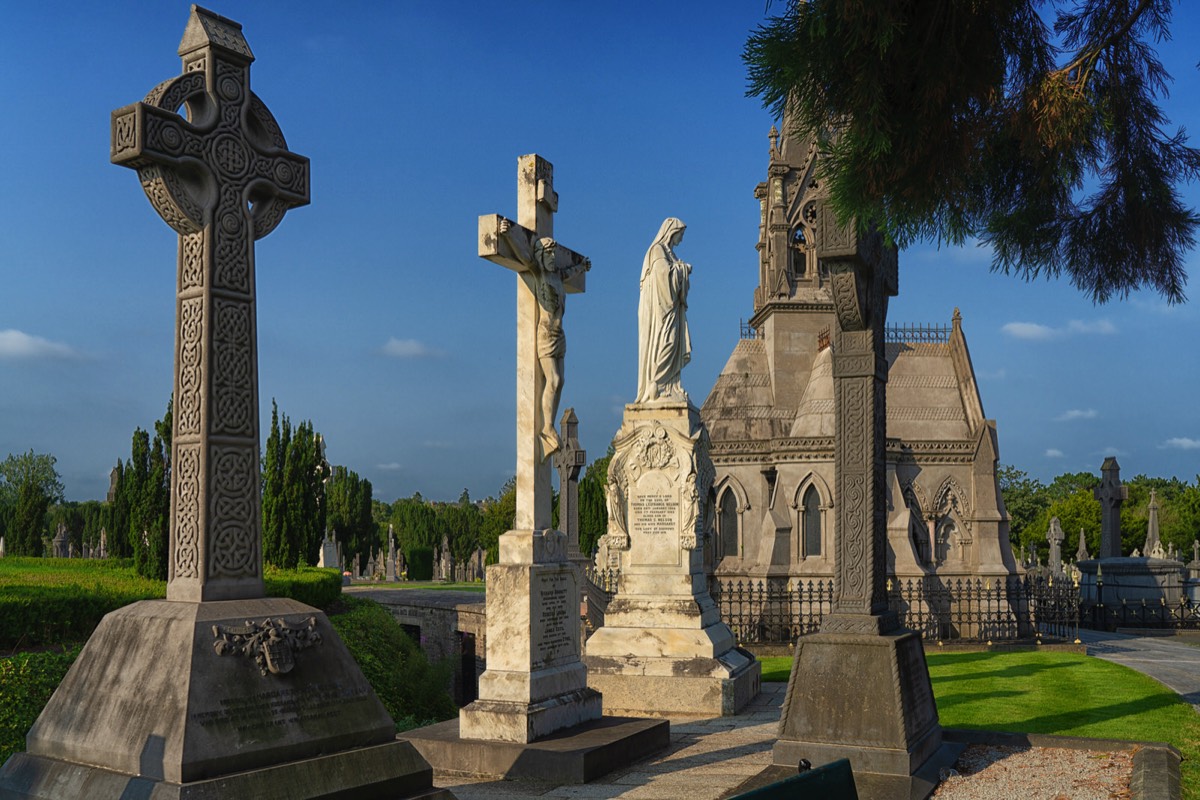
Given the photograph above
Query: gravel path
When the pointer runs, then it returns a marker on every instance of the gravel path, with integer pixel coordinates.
(992, 773)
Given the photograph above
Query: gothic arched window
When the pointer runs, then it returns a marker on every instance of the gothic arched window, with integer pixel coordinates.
(727, 525)
(798, 252)
(812, 522)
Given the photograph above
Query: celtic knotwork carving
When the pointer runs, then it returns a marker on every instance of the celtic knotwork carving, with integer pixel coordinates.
(847, 298)
(233, 546)
(267, 215)
(233, 369)
(170, 199)
(233, 244)
(852, 419)
(198, 65)
(272, 643)
(124, 136)
(229, 156)
(188, 361)
(852, 536)
(186, 519)
(263, 116)
(171, 94)
(191, 260)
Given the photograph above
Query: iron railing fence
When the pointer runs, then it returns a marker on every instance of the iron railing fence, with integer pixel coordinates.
(1180, 615)
(975, 609)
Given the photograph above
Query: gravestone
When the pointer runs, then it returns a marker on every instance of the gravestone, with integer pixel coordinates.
(1111, 494)
(859, 688)
(569, 460)
(390, 571)
(1153, 545)
(535, 685)
(1081, 552)
(216, 691)
(1054, 535)
(103, 543)
(2, 547)
(61, 547)
(663, 649)
(329, 551)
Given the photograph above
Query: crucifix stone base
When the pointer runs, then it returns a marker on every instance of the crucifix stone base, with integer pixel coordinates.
(663, 649)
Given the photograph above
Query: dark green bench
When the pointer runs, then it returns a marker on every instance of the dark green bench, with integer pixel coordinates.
(833, 781)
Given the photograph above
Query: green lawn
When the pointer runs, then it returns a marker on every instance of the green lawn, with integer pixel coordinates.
(469, 586)
(1056, 693)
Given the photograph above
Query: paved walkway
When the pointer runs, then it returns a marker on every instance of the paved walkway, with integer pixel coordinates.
(1167, 659)
(706, 759)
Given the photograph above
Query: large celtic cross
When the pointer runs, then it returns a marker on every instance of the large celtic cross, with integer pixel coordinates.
(222, 178)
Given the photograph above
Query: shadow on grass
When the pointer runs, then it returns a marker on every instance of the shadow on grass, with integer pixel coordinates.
(1015, 671)
(951, 700)
(1069, 722)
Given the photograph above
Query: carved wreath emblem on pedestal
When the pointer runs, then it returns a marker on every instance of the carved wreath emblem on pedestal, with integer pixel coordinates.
(272, 643)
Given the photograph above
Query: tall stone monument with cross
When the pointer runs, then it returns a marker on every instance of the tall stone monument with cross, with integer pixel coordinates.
(1112, 494)
(569, 460)
(217, 691)
(859, 688)
(535, 683)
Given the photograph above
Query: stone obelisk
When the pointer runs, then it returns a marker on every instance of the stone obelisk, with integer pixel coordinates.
(216, 691)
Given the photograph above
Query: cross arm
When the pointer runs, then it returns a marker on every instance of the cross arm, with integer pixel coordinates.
(514, 249)
(143, 134)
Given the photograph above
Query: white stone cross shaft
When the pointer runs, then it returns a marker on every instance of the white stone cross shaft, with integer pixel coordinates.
(514, 246)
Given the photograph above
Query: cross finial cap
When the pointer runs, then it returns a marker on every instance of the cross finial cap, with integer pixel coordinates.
(208, 29)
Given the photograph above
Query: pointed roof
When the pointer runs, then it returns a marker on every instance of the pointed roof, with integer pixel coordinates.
(208, 29)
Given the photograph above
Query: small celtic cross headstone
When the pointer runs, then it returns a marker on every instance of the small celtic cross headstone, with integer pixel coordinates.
(221, 178)
(569, 460)
(1112, 494)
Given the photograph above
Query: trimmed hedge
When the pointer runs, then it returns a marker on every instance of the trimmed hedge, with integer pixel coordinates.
(26, 682)
(314, 586)
(413, 691)
(55, 601)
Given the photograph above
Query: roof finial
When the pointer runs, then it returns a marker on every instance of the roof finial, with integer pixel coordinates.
(774, 137)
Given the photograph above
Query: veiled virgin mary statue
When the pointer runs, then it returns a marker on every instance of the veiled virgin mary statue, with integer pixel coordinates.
(664, 344)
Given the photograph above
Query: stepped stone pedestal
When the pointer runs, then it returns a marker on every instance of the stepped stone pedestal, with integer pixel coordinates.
(663, 649)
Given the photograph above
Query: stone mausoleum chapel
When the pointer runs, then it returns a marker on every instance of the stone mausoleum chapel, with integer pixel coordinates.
(771, 419)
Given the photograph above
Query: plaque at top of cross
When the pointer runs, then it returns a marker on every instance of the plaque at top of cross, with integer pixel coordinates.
(222, 178)
(546, 272)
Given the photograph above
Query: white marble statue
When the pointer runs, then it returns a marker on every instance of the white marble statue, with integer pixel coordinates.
(547, 285)
(664, 344)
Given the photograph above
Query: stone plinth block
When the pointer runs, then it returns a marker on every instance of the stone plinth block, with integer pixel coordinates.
(663, 649)
(577, 755)
(535, 683)
(863, 697)
(185, 695)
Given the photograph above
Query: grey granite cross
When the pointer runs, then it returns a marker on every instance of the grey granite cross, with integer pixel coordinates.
(569, 460)
(1111, 495)
(222, 178)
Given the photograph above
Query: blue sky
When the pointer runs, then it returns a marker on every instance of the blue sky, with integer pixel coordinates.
(376, 318)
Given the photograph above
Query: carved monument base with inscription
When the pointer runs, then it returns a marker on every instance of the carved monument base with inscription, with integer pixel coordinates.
(199, 701)
(866, 697)
(663, 649)
(535, 683)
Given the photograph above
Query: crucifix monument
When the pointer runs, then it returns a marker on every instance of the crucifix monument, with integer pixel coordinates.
(535, 683)
(217, 690)
(859, 688)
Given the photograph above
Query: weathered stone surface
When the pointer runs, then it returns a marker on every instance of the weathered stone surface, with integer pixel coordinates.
(578, 755)
(663, 649)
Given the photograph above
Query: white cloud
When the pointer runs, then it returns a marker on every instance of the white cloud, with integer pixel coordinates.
(1054, 452)
(1036, 332)
(1100, 326)
(1077, 413)
(1029, 330)
(1180, 443)
(408, 348)
(389, 467)
(16, 344)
